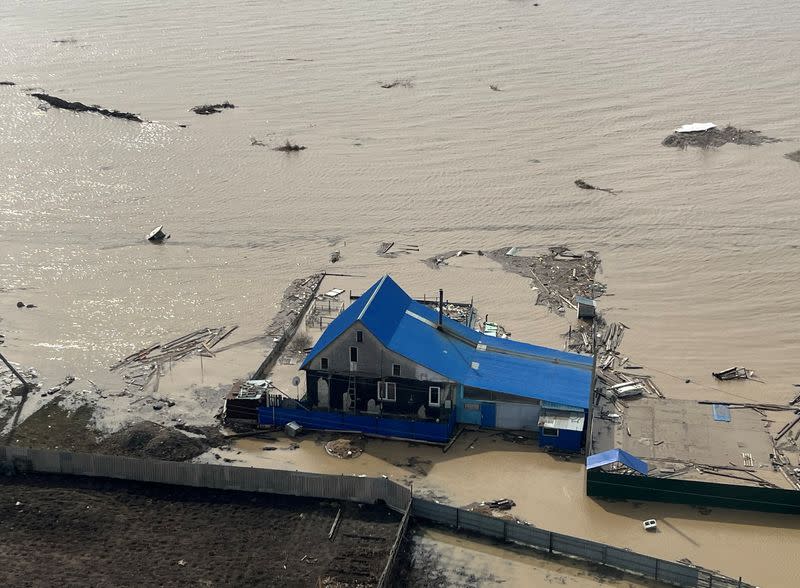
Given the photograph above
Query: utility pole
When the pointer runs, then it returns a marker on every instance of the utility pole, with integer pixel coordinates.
(25, 385)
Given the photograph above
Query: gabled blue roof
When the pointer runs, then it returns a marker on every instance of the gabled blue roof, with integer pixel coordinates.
(616, 456)
(461, 354)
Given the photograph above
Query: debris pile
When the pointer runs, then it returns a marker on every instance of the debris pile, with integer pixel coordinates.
(343, 449)
(150, 440)
(80, 107)
(558, 276)
(793, 156)
(716, 137)
(207, 109)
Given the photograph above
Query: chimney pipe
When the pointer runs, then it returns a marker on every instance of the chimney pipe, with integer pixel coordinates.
(441, 306)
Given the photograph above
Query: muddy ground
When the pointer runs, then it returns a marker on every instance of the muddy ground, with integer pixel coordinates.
(77, 531)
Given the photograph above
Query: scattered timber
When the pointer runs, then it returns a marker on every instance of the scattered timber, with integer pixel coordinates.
(786, 428)
(335, 525)
(760, 406)
(56, 102)
(142, 366)
(7, 83)
(206, 109)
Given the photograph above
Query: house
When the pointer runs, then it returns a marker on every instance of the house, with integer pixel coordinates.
(390, 366)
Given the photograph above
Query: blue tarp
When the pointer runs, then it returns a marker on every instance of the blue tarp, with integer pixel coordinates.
(461, 354)
(616, 456)
(721, 412)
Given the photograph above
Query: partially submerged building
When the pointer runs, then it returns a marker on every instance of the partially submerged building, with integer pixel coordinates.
(391, 366)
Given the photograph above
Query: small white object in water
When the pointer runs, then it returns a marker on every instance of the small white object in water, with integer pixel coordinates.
(695, 127)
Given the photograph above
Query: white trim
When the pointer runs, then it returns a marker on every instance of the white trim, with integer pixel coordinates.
(371, 298)
(438, 395)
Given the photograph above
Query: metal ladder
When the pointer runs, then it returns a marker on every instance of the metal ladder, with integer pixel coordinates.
(351, 391)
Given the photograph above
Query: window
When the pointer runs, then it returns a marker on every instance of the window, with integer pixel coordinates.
(354, 354)
(387, 391)
(323, 363)
(548, 432)
(434, 393)
(359, 336)
(396, 370)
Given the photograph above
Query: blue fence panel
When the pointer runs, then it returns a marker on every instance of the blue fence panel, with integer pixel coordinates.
(367, 424)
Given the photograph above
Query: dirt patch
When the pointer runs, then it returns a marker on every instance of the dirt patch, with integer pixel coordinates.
(55, 427)
(98, 532)
(717, 137)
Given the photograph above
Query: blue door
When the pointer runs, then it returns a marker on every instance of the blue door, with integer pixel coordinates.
(488, 414)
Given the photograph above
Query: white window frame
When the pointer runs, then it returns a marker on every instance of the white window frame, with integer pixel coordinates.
(438, 396)
(383, 391)
(545, 434)
(399, 371)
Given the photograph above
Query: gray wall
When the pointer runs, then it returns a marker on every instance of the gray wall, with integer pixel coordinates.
(373, 357)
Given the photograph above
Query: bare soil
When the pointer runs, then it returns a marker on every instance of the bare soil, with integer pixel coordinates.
(77, 531)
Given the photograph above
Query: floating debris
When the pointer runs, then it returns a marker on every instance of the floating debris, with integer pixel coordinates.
(716, 137)
(793, 156)
(158, 235)
(404, 83)
(495, 87)
(588, 186)
(207, 109)
(7, 83)
(335, 256)
(80, 107)
(289, 146)
(734, 373)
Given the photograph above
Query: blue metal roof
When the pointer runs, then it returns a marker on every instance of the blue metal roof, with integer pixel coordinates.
(616, 456)
(462, 354)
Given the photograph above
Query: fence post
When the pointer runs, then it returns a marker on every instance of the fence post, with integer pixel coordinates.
(505, 530)
(550, 536)
(656, 576)
(458, 524)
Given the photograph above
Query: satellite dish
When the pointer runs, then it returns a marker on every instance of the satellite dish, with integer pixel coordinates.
(296, 381)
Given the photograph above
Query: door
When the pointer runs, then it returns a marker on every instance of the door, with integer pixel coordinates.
(488, 414)
(323, 393)
(517, 417)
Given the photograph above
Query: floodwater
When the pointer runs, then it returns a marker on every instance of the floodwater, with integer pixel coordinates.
(700, 248)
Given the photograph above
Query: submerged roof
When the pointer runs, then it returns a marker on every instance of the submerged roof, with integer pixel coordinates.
(616, 456)
(461, 354)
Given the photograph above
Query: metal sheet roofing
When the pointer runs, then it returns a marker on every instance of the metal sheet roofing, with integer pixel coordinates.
(559, 406)
(566, 421)
(460, 353)
(616, 456)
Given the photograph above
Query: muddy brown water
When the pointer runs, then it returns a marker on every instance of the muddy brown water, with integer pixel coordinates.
(700, 248)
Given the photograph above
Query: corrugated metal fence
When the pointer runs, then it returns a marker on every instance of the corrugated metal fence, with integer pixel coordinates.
(353, 488)
(357, 489)
(650, 567)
